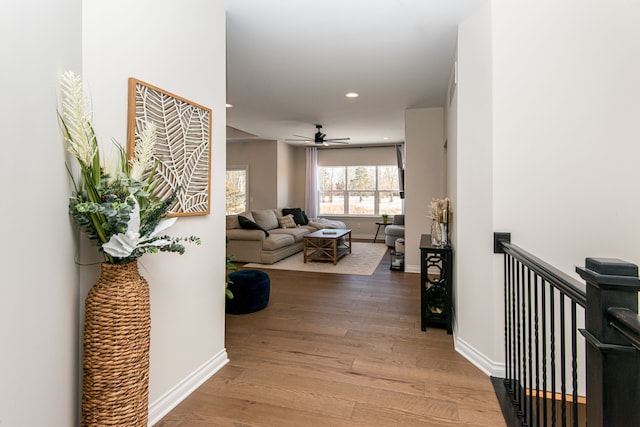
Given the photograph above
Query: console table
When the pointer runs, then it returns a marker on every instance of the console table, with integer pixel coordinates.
(380, 224)
(436, 283)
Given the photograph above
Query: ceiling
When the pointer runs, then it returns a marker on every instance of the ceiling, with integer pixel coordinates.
(291, 62)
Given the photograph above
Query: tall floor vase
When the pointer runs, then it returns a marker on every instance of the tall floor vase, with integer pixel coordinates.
(115, 382)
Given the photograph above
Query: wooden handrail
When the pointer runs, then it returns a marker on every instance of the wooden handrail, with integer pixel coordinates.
(627, 323)
(566, 284)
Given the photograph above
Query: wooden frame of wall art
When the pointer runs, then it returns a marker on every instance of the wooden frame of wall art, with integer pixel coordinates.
(183, 145)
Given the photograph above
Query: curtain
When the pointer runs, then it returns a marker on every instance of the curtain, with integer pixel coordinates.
(400, 155)
(311, 198)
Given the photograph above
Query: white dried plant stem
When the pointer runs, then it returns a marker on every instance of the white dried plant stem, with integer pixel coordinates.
(76, 114)
(143, 151)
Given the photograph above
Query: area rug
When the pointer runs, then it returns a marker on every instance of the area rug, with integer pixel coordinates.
(362, 261)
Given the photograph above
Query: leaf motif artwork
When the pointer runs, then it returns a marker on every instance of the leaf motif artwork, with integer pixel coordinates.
(182, 150)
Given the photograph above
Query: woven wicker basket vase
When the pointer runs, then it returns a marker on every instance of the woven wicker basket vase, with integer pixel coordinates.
(115, 383)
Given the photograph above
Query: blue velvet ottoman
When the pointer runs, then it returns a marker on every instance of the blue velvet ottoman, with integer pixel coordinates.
(250, 290)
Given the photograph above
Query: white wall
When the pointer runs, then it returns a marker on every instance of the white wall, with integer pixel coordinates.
(475, 300)
(567, 109)
(451, 175)
(548, 106)
(286, 175)
(39, 280)
(424, 140)
(179, 47)
(261, 156)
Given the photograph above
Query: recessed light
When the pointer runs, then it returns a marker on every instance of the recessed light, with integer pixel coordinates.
(228, 105)
(352, 95)
(385, 138)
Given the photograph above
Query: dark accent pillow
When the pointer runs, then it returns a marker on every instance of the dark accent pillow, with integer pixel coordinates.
(250, 225)
(298, 217)
(306, 218)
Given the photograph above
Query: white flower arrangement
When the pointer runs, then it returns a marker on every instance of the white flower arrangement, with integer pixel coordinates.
(110, 202)
(440, 210)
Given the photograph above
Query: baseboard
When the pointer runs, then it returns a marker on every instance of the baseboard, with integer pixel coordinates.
(412, 269)
(481, 361)
(361, 236)
(184, 388)
(367, 237)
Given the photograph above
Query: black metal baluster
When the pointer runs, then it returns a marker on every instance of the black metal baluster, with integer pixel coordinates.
(537, 344)
(574, 362)
(514, 353)
(518, 343)
(523, 312)
(506, 316)
(530, 349)
(544, 351)
(507, 321)
(563, 361)
(552, 331)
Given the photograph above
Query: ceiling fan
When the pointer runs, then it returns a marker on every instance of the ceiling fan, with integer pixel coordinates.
(320, 138)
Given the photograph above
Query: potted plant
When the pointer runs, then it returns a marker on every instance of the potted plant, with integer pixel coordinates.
(113, 202)
(385, 218)
(229, 266)
(436, 298)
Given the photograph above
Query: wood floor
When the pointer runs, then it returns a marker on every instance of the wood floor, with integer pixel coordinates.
(338, 350)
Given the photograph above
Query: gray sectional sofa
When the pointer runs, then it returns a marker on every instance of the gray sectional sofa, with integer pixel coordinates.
(271, 242)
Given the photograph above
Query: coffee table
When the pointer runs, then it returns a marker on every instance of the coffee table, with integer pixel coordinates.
(327, 245)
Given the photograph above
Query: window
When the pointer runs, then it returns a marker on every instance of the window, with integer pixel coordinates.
(236, 190)
(331, 192)
(359, 190)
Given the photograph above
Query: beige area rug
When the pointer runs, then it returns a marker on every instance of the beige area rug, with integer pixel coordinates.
(362, 261)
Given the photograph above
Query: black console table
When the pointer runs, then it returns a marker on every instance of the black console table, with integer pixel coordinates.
(436, 280)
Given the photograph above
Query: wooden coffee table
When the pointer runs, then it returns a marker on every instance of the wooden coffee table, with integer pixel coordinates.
(327, 245)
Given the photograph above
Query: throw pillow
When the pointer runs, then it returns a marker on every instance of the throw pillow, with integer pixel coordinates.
(287, 221)
(265, 218)
(250, 225)
(297, 215)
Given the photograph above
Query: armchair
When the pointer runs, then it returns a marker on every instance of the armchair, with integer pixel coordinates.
(394, 231)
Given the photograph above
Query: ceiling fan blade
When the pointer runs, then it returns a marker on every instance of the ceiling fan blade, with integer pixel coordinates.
(319, 138)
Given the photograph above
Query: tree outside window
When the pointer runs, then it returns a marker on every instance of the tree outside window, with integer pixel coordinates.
(359, 190)
(388, 187)
(332, 185)
(236, 191)
(362, 190)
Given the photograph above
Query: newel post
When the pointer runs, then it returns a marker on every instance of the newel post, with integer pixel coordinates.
(613, 386)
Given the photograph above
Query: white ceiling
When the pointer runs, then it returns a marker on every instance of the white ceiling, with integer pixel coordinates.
(290, 63)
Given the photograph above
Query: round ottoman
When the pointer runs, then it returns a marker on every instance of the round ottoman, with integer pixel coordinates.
(250, 290)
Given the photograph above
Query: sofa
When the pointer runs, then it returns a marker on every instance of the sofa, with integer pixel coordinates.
(394, 231)
(269, 235)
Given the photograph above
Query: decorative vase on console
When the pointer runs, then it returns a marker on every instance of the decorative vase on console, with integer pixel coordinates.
(440, 215)
(436, 234)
